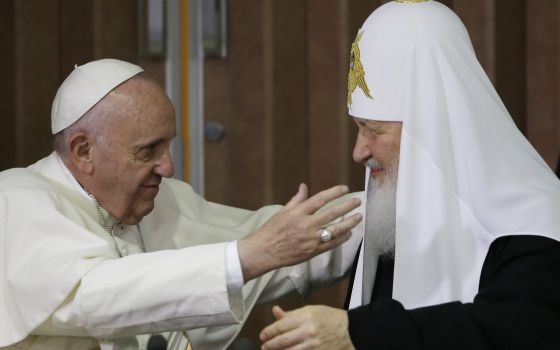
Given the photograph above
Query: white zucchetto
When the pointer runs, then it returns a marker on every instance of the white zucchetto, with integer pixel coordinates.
(85, 86)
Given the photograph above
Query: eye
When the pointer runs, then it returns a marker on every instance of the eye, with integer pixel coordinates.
(371, 131)
(146, 153)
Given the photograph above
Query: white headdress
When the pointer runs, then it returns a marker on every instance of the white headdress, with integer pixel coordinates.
(86, 86)
(466, 175)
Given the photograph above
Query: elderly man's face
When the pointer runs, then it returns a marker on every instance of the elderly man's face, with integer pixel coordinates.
(378, 146)
(131, 154)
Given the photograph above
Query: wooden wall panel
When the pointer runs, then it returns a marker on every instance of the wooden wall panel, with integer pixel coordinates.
(76, 35)
(289, 127)
(510, 58)
(216, 109)
(7, 82)
(37, 74)
(116, 29)
(543, 59)
(327, 60)
(478, 16)
(249, 85)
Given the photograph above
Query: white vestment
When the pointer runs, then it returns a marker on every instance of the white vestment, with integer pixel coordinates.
(64, 287)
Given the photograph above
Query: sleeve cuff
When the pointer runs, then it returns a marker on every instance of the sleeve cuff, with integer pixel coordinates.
(383, 325)
(234, 280)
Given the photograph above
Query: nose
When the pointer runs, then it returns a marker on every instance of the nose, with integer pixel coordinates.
(361, 151)
(164, 167)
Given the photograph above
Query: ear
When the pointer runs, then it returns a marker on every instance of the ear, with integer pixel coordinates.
(80, 153)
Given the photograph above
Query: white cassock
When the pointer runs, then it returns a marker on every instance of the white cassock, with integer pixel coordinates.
(63, 286)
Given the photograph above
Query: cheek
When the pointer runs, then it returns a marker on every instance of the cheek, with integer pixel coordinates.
(386, 152)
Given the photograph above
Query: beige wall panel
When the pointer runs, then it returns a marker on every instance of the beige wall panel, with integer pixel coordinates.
(543, 57)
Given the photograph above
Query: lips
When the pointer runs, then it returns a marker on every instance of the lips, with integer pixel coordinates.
(151, 185)
(375, 167)
(376, 172)
(151, 189)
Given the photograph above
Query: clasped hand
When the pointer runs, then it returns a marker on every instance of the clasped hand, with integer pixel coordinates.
(315, 327)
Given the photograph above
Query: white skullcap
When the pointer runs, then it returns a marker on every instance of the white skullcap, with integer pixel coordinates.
(85, 86)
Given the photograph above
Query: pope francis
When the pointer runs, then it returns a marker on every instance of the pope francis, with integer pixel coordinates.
(102, 249)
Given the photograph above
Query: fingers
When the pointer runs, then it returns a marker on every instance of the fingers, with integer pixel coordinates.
(299, 197)
(279, 327)
(278, 312)
(283, 334)
(326, 216)
(292, 340)
(294, 331)
(345, 225)
(341, 232)
(313, 204)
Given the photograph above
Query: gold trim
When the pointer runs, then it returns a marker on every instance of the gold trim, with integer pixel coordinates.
(410, 1)
(356, 74)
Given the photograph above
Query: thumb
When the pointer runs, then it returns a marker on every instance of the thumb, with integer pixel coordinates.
(278, 312)
(299, 197)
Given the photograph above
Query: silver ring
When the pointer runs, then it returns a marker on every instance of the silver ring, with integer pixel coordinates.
(326, 235)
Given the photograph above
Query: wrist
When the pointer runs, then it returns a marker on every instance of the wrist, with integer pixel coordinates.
(253, 258)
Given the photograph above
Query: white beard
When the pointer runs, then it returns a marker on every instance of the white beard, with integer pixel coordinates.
(381, 211)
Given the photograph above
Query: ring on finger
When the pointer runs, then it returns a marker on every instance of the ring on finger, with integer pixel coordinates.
(326, 235)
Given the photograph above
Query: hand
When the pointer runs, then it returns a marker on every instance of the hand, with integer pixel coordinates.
(293, 234)
(311, 327)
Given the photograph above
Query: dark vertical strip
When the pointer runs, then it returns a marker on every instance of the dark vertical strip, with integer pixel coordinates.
(510, 57)
(76, 34)
(37, 74)
(216, 110)
(331, 28)
(478, 17)
(7, 84)
(117, 29)
(248, 94)
(289, 95)
(543, 90)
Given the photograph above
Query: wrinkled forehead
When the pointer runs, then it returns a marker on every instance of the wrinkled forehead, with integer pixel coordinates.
(376, 122)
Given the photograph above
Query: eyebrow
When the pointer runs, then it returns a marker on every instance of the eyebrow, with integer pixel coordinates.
(149, 143)
(368, 123)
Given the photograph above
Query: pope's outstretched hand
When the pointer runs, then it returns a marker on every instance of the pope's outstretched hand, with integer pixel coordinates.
(293, 235)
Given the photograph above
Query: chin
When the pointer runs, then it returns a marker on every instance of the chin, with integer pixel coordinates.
(146, 209)
(137, 214)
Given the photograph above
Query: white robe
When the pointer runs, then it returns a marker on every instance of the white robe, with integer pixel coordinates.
(63, 285)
